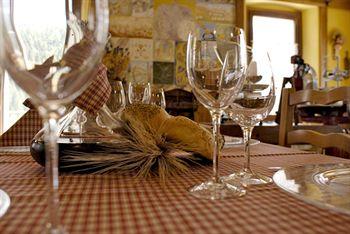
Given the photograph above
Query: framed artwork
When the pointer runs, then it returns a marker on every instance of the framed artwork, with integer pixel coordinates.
(155, 34)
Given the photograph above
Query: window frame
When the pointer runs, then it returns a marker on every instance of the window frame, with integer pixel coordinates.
(295, 16)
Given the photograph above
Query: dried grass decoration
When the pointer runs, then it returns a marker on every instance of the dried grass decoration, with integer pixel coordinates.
(149, 142)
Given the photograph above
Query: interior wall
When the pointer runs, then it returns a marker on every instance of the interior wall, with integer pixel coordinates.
(270, 6)
(338, 20)
(310, 37)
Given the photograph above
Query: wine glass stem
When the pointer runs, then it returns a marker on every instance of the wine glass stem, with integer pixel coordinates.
(247, 134)
(216, 120)
(51, 152)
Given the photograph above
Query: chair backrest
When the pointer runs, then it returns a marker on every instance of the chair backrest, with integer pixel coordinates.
(288, 136)
(180, 102)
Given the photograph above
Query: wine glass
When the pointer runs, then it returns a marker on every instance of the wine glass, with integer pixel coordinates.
(251, 106)
(139, 92)
(117, 100)
(158, 97)
(215, 75)
(53, 57)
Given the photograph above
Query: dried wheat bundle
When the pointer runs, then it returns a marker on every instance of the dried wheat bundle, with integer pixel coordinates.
(146, 144)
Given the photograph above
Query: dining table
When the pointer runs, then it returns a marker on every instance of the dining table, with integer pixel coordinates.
(114, 203)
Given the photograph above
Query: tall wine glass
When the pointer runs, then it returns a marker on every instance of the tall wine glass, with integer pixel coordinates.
(251, 106)
(139, 92)
(51, 49)
(215, 75)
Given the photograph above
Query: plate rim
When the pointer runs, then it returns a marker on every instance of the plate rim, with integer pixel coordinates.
(317, 203)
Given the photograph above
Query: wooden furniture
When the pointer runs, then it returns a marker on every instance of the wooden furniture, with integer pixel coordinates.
(268, 133)
(110, 203)
(289, 136)
(180, 102)
(326, 114)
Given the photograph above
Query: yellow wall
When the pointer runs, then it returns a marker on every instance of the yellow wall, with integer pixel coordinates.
(338, 20)
(310, 37)
(271, 6)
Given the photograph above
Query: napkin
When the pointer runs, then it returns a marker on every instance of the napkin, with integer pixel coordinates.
(91, 100)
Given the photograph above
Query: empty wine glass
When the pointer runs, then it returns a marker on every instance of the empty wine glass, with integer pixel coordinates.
(117, 99)
(139, 92)
(215, 75)
(251, 106)
(158, 97)
(53, 56)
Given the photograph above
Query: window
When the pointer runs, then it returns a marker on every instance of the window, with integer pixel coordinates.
(46, 41)
(11, 100)
(277, 33)
(13, 108)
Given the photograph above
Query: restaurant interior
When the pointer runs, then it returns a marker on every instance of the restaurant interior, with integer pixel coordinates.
(174, 116)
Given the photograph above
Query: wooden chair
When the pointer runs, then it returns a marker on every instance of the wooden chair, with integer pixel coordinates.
(289, 136)
(180, 102)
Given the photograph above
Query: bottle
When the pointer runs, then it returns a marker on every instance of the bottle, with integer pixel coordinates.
(297, 78)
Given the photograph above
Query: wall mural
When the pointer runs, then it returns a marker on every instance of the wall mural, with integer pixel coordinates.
(148, 37)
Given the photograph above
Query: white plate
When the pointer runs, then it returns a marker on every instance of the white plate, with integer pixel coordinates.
(324, 185)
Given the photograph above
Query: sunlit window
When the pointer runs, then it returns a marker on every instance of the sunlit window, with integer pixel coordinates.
(13, 99)
(276, 36)
(45, 40)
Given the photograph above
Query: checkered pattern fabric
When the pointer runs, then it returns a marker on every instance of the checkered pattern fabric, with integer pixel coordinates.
(118, 204)
(91, 100)
(23, 131)
(97, 94)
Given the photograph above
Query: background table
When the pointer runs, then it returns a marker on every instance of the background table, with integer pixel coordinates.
(119, 204)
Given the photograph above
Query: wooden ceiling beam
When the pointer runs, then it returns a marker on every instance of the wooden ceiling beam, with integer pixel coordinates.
(340, 4)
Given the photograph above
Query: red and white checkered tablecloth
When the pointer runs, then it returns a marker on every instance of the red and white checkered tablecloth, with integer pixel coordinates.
(23, 131)
(119, 204)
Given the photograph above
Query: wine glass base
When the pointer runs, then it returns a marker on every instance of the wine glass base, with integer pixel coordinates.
(59, 230)
(216, 191)
(238, 142)
(4, 202)
(247, 178)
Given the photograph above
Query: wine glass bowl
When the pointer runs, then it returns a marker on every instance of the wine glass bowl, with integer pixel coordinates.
(139, 92)
(158, 97)
(252, 105)
(54, 76)
(214, 81)
(117, 99)
(53, 57)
